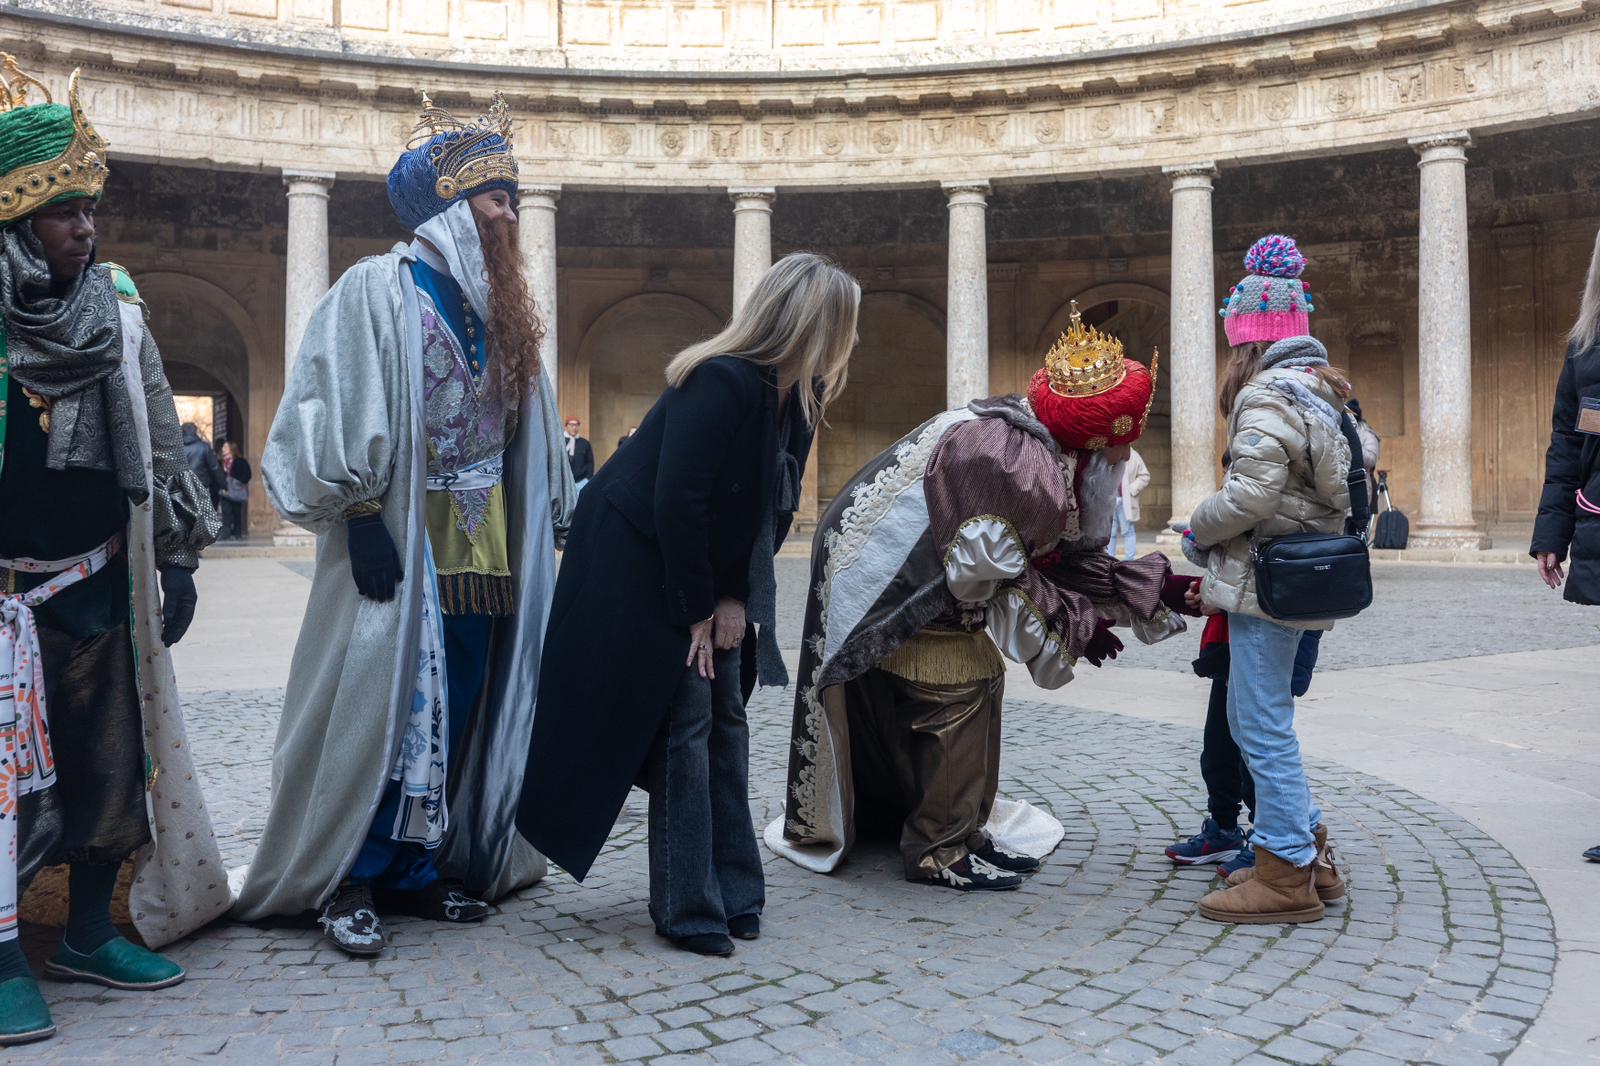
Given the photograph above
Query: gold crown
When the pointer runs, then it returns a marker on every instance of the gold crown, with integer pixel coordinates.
(1084, 361)
(457, 162)
(80, 168)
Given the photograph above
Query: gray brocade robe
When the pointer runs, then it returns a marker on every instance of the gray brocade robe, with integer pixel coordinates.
(350, 430)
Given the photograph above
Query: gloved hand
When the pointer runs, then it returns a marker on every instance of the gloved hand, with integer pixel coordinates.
(178, 599)
(1174, 593)
(1103, 645)
(374, 561)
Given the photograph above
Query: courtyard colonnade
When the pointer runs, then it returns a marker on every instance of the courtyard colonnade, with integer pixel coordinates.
(1446, 520)
(1126, 154)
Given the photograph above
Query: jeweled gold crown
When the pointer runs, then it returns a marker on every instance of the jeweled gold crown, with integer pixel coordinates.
(462, 162)
(1084, 361)
(80, 168)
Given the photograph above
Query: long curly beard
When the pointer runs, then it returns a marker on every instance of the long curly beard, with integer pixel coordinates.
(515, 328)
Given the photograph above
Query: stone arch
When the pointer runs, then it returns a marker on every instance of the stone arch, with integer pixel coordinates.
(1140, 316)
(897, 380)
(626, 350)
(198, 323)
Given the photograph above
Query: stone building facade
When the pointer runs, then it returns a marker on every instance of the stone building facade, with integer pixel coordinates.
(977, 164)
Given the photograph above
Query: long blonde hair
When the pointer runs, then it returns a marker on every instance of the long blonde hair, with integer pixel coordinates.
(1586, 329)
(800, 317)
(1246, 362)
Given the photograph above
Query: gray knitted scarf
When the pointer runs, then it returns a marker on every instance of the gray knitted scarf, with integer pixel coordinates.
(1295, 352)
(67, 348)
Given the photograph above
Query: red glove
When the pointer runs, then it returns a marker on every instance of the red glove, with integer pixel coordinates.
(1103, 645)
(1174, 589)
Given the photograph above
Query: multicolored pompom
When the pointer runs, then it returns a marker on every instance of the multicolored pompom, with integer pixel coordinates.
(1275, 256)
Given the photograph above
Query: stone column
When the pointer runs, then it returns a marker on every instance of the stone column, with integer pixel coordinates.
(536, 221)
(306, 283)
(752, 239)
(307, 254)
(1192, 364)
(967, 310)
(1444, 349)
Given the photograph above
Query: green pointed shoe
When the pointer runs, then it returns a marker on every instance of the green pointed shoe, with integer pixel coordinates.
(23, 1016)
(118, 963)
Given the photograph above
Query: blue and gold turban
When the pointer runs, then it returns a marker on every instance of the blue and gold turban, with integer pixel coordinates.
(450, 160)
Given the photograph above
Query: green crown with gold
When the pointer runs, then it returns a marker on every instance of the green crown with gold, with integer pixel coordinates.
(48, 151)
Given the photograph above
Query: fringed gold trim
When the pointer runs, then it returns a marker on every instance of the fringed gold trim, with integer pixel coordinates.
(470, 593)
(936, 657)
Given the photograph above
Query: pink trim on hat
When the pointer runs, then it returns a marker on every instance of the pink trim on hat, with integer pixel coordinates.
(1265, 326)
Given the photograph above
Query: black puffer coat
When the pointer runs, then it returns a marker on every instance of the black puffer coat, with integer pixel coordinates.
(1572, 466)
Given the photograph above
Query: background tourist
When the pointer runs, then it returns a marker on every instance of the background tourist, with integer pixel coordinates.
(1287, 475)
(236, 476)
(1569, 509)
(202, 460)
(580, 454)
(1125, 519)
(692, 511)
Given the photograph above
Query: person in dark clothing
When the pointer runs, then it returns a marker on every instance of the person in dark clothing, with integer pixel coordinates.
(626, 437)
(580, 454)
(101, 527)
(203, 461)
(236, 475)
(681, 526)
(1569, 508)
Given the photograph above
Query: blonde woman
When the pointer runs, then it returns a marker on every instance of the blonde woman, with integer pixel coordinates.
(668, 567)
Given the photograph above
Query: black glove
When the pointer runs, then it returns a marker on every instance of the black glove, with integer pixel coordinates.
(1103, 645)
(1174, 590)
(178, 599)
(374, 562)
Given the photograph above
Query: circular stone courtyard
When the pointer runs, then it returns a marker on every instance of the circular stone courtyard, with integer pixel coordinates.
(1442, 952)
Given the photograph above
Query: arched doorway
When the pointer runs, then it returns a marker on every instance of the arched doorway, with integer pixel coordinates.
(207, 342)
(1138, 316)
(896, 382)
(626, 351)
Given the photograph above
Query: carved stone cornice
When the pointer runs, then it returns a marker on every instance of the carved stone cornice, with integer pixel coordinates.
(1326, 90)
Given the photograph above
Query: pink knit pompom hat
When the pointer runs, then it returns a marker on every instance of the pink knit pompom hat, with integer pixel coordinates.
(1271, 303)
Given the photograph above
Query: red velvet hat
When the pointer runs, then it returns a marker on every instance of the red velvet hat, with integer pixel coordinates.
(1087, 394)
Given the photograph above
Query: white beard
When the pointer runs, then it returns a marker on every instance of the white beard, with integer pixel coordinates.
(1097, 500)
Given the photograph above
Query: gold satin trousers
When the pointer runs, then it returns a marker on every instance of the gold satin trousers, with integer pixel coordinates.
(927, 756)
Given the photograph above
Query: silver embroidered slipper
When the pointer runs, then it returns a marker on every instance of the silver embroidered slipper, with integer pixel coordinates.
(350, 920)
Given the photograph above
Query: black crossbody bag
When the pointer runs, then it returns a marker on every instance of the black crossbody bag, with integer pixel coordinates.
(1312, 577)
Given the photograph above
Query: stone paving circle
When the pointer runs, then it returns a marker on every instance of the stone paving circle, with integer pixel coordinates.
(1441, 954)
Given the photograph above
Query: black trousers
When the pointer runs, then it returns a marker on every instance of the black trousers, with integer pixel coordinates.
(1228, 781)
(94, 813)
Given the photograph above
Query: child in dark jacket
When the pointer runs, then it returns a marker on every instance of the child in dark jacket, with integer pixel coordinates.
(1222, 765)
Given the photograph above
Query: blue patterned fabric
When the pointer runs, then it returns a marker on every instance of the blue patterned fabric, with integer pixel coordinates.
(413, 181)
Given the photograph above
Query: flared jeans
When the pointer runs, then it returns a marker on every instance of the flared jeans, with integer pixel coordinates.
(705, 865)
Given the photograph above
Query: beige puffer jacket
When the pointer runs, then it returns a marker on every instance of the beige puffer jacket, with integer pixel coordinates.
(1287, 476)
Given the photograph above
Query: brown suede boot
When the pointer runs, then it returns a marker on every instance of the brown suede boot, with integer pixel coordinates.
(1279, 892)
(1330, 886)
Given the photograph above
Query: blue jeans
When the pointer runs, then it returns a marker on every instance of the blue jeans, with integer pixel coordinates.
(1123, 533)
(1261, 717)
(705, 866)
(405, 865)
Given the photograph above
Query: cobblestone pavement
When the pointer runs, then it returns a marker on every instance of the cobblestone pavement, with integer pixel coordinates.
(1442, 953)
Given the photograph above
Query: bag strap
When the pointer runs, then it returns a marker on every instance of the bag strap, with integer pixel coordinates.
(1356, 479)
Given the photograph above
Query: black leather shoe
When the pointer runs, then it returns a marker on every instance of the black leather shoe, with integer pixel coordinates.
(1011, 861)
(1593, 854)
(745, 927)
(714, 944)
(971, 874)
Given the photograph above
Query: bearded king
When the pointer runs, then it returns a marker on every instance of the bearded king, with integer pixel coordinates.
(418, 439)
(979, 536)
